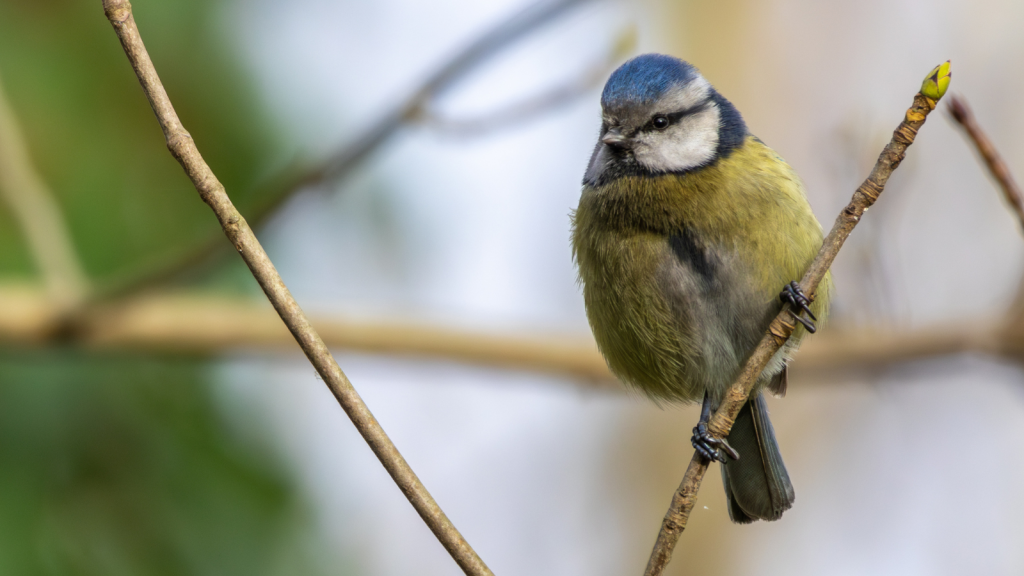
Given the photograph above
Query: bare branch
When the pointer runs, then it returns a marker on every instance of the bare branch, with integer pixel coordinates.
(39, 216)
(783, 325)
(198, 323)
(997, 168)
(207, 324)
(180, 143)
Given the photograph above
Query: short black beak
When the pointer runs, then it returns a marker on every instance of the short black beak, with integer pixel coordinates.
(614, 138)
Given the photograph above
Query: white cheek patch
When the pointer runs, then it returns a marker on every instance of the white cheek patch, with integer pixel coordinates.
(689, 143)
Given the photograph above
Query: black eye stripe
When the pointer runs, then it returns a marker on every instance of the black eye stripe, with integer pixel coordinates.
(673, 117)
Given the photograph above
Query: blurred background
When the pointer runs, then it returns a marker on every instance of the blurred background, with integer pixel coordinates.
(410, 167)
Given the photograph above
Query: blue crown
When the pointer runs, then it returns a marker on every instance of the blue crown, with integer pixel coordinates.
(644, 79)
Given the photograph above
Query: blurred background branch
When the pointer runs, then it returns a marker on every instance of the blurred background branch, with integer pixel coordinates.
(196, 323)
(997, 168)
(38, 215)
(999, 171)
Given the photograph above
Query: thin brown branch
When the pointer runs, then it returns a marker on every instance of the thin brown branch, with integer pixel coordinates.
(204, 324)
(37, 213)
(836, 351)
(180, 143)
(997, 168)
(370, 139)
(196, 323)
(782, 327)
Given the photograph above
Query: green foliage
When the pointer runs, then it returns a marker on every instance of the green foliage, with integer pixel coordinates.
(121, 465)
(96, 142)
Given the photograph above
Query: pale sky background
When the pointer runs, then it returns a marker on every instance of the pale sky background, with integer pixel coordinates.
(908, 470)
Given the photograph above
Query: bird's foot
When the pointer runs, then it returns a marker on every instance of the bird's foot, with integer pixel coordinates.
(799, 301)
(710, 447)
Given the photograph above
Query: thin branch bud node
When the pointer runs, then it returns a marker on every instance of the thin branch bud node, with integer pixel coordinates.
(117, 11)
(871, 190)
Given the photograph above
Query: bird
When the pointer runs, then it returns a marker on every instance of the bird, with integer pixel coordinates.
(688, 238)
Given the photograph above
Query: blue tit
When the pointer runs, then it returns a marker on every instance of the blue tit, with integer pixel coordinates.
(687, 230)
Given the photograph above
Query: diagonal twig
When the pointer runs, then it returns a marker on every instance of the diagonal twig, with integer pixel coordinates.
(1000, 172)
(180, 143)
(997, 167)
(783, 325)
(38, 214)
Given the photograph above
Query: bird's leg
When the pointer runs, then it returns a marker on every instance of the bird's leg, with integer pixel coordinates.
(707, 445)
(800, 303)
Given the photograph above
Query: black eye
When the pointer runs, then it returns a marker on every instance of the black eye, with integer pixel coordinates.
(660, 122)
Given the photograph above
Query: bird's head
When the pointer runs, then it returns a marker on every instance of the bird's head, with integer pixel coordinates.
(660, 116)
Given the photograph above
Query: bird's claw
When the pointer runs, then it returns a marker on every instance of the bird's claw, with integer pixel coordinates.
(711, 448)
(796, 298)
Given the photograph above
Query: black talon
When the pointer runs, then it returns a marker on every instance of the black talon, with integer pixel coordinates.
(710, 447)
(807, 323)
(793, 295)
(707, 446)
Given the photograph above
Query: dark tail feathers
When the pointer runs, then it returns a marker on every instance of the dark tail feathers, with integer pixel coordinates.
(757, 486)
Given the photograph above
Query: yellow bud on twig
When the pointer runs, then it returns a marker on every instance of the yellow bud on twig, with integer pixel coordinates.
(935, 85)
